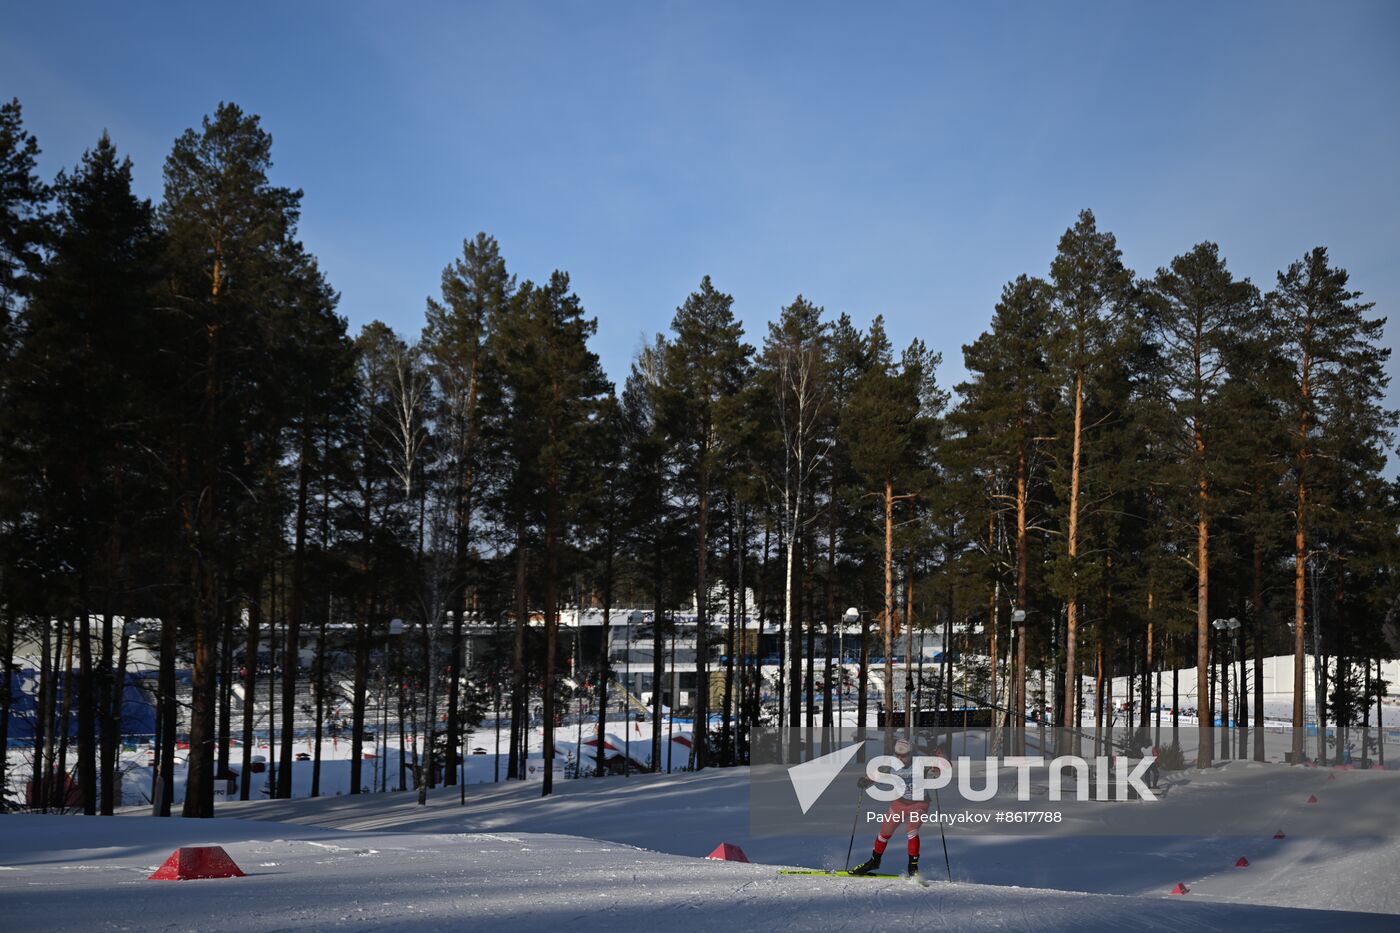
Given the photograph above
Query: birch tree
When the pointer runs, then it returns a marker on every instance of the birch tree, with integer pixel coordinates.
(793, 364)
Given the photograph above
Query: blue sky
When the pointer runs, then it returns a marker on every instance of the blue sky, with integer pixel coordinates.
(901, 159)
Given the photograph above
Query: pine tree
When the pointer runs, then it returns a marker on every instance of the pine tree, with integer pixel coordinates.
(1253, 461)
(704, 369)
(474, 290)
(1004, 417)
(226, 227)
(1336, 380)
(555, 381)
(846, 362)
(78, 386)
(889, 426)
(382, 520)
(603, 509)
(1090, 286)
(23, 203)
(308, 373)
(1197, 310)
(654, 542)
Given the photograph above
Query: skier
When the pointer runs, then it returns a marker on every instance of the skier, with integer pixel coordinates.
(905, 810)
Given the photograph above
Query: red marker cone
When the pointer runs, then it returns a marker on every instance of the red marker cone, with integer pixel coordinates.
(1180, 889)
(1312, 798)
(1279, 834)
(727, 852)
(1242, 863)
(189, 862)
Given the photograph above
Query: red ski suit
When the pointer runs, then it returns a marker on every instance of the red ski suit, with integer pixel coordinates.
(908, 813)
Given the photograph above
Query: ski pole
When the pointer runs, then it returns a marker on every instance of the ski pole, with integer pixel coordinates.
(860, 798)
(941, 835)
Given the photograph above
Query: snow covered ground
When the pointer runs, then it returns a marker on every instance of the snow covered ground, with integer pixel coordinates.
(689, 814)
(625, 854)
(90, 875)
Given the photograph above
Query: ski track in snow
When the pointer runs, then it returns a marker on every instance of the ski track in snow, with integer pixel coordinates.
(510, 858)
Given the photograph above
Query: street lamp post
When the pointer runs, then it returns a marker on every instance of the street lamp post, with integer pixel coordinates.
(851, 617)
(1226, 629)
(1015, 702)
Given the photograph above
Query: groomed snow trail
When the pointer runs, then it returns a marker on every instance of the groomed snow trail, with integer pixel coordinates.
(81, 874)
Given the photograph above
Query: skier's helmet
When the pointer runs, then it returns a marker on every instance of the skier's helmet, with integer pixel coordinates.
(902, 747)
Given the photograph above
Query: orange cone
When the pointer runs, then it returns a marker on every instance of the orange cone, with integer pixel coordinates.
(1312, 798)
(189, 862)
(1180, 889)
(1242, 863)
(1279, 834)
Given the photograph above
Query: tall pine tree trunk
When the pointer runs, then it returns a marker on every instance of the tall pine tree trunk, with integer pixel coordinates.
(700, 746)
(108, 729)
(359, 697)
(87, 705)
(291, 649)
(1203, 745)
(889, 608)
(1068, 719)
(992, 592)
(604, 665)
(1147, 696)
(250, 687)
(463, 553)
(203, 531)
(910, 720)
(726, 723)
(1300, 563)
(829, 602)
(199, 773)
(743, 637)
(551, 624)
(319, 685)
(225, 693)
(1257, 598)
(658, 659)
(1018, 678)
(809, 683)
(321, 637)
(163, 791)
(1099, 699)
(7, 656)
(518, 700)
(364, 627)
